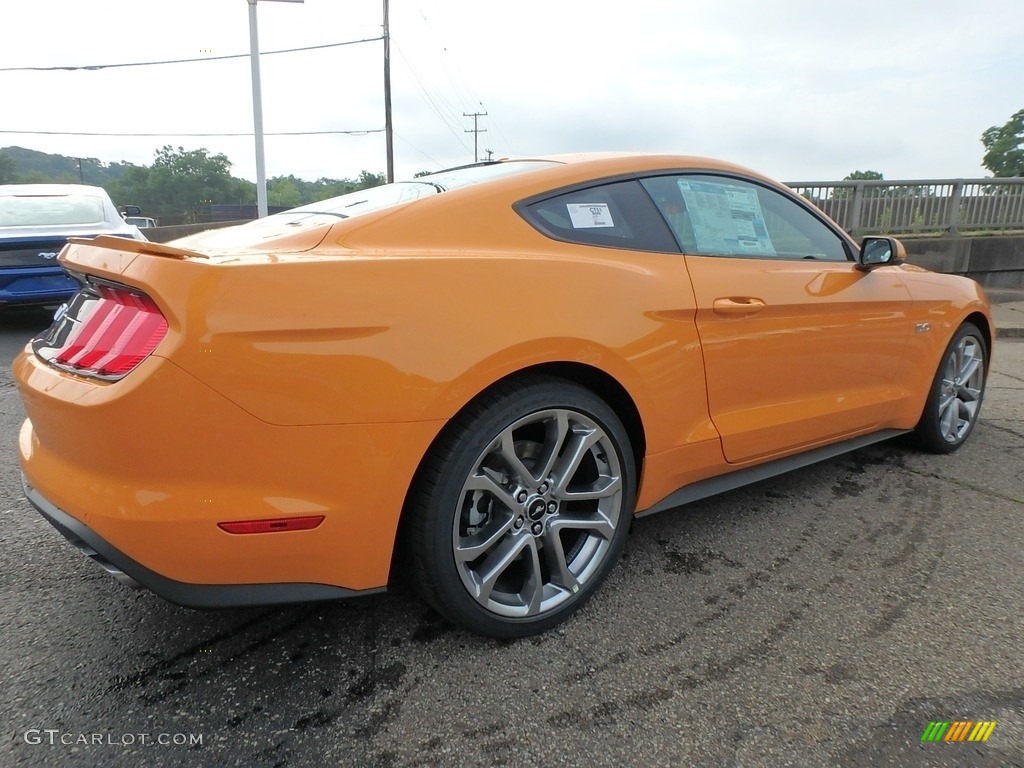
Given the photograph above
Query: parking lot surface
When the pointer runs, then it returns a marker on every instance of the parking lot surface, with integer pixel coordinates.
(824, 618)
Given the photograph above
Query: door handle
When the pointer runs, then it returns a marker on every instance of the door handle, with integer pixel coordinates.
(738, 305)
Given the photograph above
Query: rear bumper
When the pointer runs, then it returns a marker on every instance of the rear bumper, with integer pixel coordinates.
(134, 574)
(144, 470)
(35, 285)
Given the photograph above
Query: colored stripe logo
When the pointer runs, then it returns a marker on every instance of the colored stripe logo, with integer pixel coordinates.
(958, 730)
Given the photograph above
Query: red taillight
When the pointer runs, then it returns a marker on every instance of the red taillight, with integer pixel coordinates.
(275, 525)
(119, 332)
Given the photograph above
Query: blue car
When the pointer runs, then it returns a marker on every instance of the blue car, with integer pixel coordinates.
(36, 221)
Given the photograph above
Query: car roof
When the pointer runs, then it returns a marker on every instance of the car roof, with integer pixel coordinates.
(624, 161)
(599, 164)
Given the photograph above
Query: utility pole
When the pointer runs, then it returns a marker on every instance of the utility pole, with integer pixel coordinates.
(476, 132)
(257, 109)
(257, 113)
(388, 131)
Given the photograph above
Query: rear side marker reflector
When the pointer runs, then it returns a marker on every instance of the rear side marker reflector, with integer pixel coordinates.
(272, 526)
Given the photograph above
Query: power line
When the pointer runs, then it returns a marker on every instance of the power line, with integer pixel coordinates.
(431, 159)
(92, 67)
(467, 97)
(465, 93)
(195, 135)
(427, 97)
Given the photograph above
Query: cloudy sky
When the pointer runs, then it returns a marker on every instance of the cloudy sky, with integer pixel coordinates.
(799, 89)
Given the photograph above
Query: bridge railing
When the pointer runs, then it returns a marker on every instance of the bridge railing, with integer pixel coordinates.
(944, 205)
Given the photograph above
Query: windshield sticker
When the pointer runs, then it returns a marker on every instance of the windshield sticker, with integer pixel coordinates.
(726, 218)
(590, 215)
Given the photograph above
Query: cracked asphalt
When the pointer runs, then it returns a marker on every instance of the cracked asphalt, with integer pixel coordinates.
(823, 618)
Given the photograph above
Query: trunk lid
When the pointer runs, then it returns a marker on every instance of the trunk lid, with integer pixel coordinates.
(30, 252)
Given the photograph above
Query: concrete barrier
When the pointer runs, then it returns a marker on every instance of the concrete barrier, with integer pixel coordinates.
(994, 261)
(166, 234)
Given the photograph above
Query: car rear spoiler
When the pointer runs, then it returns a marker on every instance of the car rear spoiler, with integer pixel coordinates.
(137, 246)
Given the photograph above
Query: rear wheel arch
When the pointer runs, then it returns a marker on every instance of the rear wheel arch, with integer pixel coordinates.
(608, 389)
(600, 383)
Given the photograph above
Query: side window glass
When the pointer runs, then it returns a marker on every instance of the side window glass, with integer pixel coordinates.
(617, 215)
(723, 216)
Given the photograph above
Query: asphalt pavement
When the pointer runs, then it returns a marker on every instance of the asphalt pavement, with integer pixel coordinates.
(822, 618)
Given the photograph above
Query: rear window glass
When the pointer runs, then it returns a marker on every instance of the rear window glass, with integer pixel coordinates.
(49, 210)
(388, 195)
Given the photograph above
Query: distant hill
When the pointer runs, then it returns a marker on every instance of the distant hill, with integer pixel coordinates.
(179, 187)
(31, 166)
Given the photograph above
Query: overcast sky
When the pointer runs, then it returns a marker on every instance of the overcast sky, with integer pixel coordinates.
(798, 89)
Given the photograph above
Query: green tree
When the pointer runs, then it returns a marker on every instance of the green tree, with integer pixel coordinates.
(181, 185)
(323, 188)
(8, 169)
(38, 177)
(282, 190)
(847, 192)
(1004, 145)
(367, 180)
(130, 189)
(864, 176)
(44, 168)
(241, 191)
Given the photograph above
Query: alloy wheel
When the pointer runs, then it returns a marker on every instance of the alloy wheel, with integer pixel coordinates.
(538, 513)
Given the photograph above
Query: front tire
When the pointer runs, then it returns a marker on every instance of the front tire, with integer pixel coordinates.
(522, 507)
(957, 391)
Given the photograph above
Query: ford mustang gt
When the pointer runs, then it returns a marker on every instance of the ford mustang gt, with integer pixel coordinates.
(476, 378)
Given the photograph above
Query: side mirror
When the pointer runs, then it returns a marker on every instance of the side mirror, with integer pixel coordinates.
(132, 210)
(879, 252)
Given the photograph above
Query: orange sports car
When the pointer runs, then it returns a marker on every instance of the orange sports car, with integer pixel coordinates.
(477, 378)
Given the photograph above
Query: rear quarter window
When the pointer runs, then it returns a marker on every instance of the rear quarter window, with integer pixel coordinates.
(615, 215)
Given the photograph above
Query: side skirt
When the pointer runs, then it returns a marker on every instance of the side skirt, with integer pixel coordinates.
(702, 489)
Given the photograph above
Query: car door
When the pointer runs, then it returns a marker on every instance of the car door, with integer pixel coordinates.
(800, 347)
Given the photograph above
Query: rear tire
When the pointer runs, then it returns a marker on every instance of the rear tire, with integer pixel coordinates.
(957, 391)
(522, 507)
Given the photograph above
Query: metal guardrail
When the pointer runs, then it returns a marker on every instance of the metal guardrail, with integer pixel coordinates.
(945, 205)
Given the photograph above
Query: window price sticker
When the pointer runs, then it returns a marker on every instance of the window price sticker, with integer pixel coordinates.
(589, 215)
